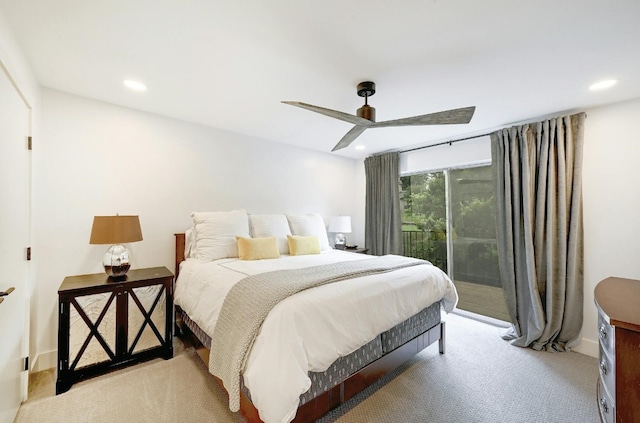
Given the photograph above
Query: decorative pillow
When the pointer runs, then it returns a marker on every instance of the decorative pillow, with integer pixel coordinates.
(257, 248)
(308, 225)
(263, 225)
(302, 245)
(215, 233)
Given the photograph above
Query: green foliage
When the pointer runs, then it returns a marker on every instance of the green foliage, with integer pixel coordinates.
(424, 201)
(424, 217)
(472, 204)
(478, 218)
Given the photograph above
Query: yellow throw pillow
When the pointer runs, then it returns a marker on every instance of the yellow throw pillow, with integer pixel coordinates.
(302, 245)
(257, 248)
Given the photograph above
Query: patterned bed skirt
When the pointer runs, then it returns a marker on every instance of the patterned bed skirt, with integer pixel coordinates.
(349, 364)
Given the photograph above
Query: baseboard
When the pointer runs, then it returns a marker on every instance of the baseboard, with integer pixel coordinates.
(587, 347)
(45, 361)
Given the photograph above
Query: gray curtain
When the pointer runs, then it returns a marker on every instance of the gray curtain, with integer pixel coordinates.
(538, 171)
(383, 221)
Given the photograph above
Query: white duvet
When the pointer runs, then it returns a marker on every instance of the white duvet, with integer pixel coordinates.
(310, 330)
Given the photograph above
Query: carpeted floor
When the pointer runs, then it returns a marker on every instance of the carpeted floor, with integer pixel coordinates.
(481, 378)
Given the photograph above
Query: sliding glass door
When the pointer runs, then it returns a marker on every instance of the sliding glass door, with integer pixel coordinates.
(449, 219)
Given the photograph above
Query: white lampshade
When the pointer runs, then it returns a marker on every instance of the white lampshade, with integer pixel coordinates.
(340, 224)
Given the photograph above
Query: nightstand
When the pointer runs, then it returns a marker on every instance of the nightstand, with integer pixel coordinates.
(104, 324)
(357, 250)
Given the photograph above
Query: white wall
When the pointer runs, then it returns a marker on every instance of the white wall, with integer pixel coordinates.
(611, 189)
(100, 159)
(13, 58)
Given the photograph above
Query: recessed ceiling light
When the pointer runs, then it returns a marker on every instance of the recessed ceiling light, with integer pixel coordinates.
(134, 85)
(603, 85)
(359, 147)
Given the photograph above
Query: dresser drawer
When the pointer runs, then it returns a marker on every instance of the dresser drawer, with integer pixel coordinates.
(605, 405)
(606, 334)
(607, 369)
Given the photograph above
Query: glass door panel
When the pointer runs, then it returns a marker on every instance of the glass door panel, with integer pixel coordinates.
(449, 219)
(475, 269)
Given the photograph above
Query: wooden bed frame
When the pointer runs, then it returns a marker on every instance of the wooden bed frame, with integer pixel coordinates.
(340, 393)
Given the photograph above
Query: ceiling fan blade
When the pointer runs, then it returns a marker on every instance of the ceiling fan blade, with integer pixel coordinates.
(349, 137)
(331, 113)
(447, 117)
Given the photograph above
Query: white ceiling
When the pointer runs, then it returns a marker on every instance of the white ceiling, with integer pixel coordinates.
(228, 64)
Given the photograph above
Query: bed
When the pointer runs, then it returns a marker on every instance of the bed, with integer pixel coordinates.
(317, 346)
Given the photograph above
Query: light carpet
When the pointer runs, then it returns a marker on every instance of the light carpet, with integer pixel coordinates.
(481, 378)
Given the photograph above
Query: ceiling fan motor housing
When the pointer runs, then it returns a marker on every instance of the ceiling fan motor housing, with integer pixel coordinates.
(367, 89)
(367, 112)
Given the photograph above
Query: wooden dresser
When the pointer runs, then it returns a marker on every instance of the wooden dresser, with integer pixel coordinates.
(618, 303)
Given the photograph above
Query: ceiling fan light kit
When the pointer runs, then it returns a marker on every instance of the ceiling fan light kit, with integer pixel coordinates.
(366, 116)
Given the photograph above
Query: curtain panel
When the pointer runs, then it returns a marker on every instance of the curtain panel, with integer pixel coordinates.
(538, 176)
(383, 219)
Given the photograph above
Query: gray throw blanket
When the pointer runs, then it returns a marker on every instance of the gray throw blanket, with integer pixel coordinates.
(250, 300)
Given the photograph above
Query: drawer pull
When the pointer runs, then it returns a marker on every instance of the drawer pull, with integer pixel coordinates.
(603, 405)
(603, 332)
(603, 367)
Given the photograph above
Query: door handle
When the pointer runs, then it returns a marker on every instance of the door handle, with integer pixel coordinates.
(7, 292)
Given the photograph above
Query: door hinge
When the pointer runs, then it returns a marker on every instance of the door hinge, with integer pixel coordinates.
(29, 143)
(26, 363)
(28, 253)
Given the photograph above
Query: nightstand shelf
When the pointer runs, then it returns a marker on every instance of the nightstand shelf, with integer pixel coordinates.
(104, 324)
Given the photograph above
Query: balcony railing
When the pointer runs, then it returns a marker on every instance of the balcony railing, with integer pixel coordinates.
(427, 245)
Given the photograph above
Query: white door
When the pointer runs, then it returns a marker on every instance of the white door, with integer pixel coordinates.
(14, 237)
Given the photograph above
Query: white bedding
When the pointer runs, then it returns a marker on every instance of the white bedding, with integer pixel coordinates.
(310, 330)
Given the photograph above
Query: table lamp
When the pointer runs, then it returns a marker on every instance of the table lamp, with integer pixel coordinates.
(116, 230)
(340, 225)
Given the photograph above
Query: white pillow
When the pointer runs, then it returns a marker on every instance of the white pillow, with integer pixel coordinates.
(266, 225)
(215, 233)
(310, 224)
(189, 242)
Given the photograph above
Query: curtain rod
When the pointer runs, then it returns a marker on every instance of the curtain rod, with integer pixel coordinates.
(448, 142)
(568, 113)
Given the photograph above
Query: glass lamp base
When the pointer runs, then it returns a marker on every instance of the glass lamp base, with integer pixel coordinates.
(116, 261)
(341, 242)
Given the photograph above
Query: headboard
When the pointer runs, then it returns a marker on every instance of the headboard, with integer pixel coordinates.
(180, 240)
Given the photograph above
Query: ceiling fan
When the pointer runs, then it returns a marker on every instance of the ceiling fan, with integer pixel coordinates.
(366, 117)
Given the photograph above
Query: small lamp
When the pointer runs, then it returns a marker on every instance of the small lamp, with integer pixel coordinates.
(340, 225)
(116, 230)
